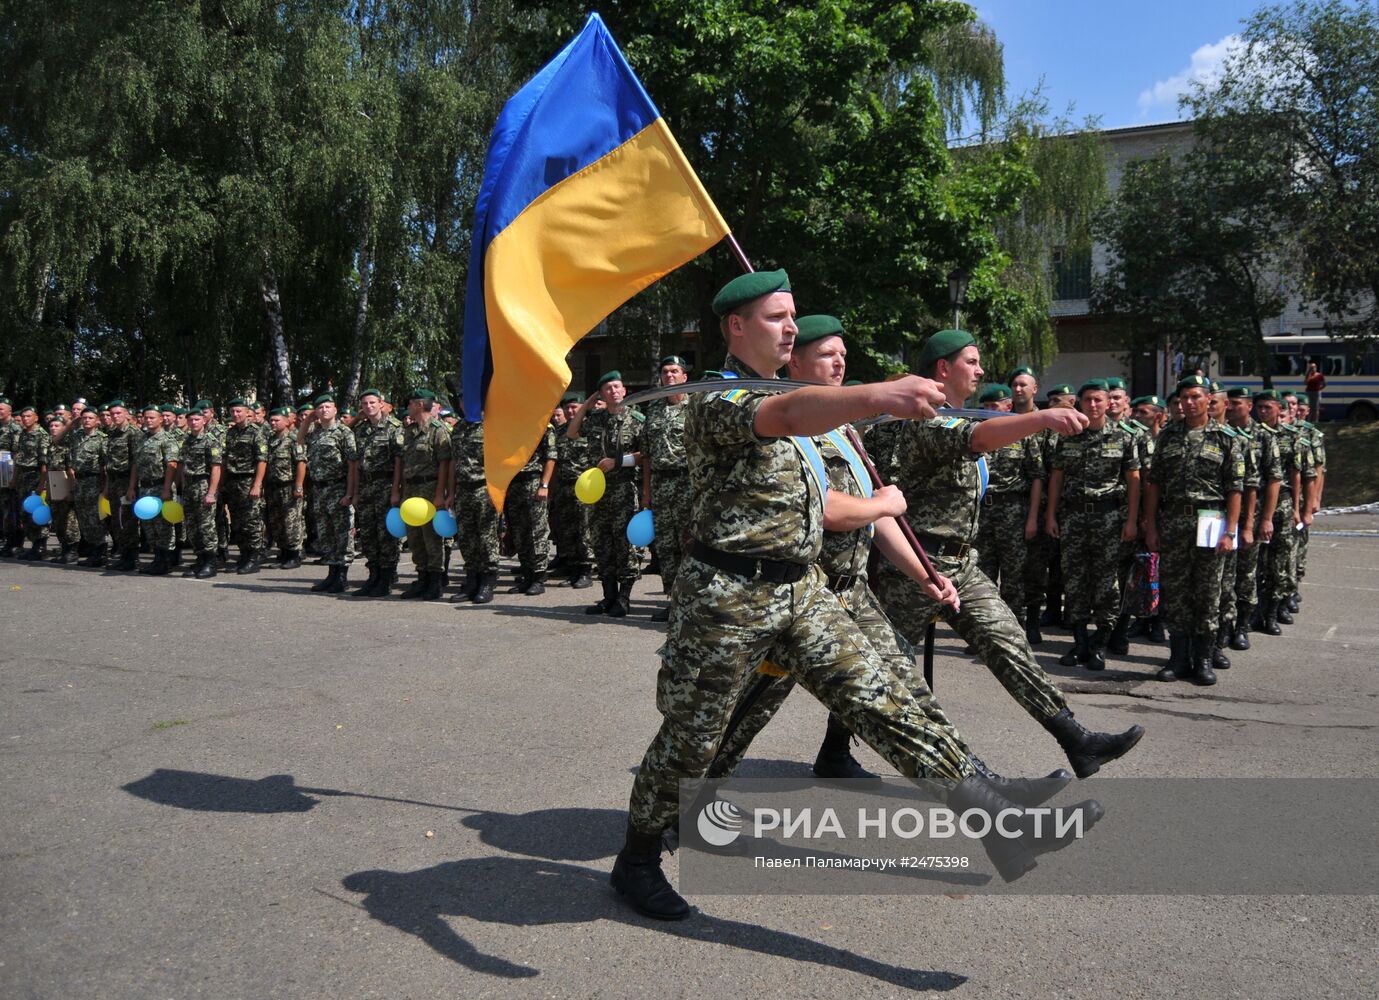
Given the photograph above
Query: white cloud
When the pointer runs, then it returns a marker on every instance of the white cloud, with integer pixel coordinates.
(1205, 66)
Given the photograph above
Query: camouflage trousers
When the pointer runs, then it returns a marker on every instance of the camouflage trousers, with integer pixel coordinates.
(88, 509)
(670, 505)
(1300, 558)
(283, 512)
(1226, 597)
(246, 512)
(64, 524)
(767, 692)
(527, 520)
(1191, 604)
(9, 514)
(570, 523)
(1277, 580)
(1001, 545)
(1091, 565)
(200, 516)
(984, 621)
(334, 523)
(1041, 561)
(26, 481)
(722, 626)
(617, 557)
(426, 547)
(381, 550)
(1247, 579)
(157, 530)
(478, 527)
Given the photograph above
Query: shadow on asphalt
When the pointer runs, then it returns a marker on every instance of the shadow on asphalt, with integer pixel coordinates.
(638, 619)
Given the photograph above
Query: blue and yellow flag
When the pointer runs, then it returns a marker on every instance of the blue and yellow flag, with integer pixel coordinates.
(586, 200)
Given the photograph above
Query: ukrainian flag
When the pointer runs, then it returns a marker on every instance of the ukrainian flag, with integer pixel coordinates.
(586, 200)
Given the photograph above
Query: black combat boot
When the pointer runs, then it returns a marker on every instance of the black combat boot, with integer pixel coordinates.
(1119, 642)
(1032, 634)
(1156, 629)
(1014, 856)
(162, 563)
(637, 876)
(1096, 647)
(70, 555)
(1139, 629)
(222, 558)
(1053, 610)
(175, 561)
(195, 567)
(1281, 612)
(661, 616)
(520, 581)
(835, 761)
(6, 548)
(342, 575)
(581, 578)
(35, 551)
(128, 560)
(1219, 659)
(370, 584)
(1270, 624)
(610, 596)
(248, 564)
(1023, 791)
(1179, 650)
(484, 593)
(1240, 636)
(1079, 652)
(432, 591)
(537, 586)
(1202, 674)
(1294, 603)
(96, 558)
(387, 576)
(622, 600)
(417, 586)
(1087, 751)
(468, 586)
(60, 555)
(207, 570)
(323, 586)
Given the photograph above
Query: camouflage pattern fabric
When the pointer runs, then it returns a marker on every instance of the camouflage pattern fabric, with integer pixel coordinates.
(335, 522)
(31, 451)
(88, 511)
(329, 451)
(86, 458)
(1001, 545)
(569, 517)
(9, 496)
(664, 439)
(527, 516)
(64, 523)
(475, 514)
(423, 451)
(283, 511)
(612, 436)
(380, 445)
(200, 515)
(1043, 565)
(155, 452)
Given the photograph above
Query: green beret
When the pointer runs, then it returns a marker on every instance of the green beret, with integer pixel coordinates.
(1114, 382)
(748, 287)
(237, 401)
(572, 397)
(1022, 370)
(202, 404)
(258, 404)
(347, 411)
(27, 409)
(105, 407)
(4, 400)
(1238, 392)
(180, 411)
(373, 392)
(1093, 385)
(812, 328)
(1268, 396)
(1150, 400)
(280, 411)
(943, 344)
(152, 408)
(1173, 395)
(994, 393)
(168, 407)
(325, 397)
(674, 359)
(303, 407)
(1216, 387)
(120, 402)
(61, 408)
(606, 377)
(1061, 389)
(1289, 394)
(1194, 382)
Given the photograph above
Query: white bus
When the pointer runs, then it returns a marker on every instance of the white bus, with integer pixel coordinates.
(1351, 370)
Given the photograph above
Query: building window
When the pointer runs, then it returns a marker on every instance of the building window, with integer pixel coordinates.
(1072, 273)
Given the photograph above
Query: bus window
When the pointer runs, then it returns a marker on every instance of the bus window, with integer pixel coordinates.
(1282, 365)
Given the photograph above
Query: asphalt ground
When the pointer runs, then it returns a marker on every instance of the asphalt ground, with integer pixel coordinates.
(237, 788)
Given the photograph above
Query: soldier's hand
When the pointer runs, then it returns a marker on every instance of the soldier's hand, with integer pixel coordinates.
(1307, 519)
(1129, 531)
(394, 498)
(1064, 421)
(606, 465)
(943, 591)
(912, 398)
(347, 501)
(1226, 544)
(255, 492)
(1247, 538)
(890, 500)
(209, 501)
(1266, 531)
(1031, 529)
(130, 495)
(1051, 527)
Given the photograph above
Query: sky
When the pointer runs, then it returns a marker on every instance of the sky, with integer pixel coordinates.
(1126, 63)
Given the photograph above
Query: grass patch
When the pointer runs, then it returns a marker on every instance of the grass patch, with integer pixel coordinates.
(169, 723)
(1352, 463)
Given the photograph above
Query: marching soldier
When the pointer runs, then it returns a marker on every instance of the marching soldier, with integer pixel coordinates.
(199, 464)
(570, 516)
(245, 462)
(476, 516)
(526, 512)
(333, 465)
(284, 483)
(86, 461)
(425, 473)
(64, 521)
(30, 450)
(156, 462)
(665, 477)
(379, 439)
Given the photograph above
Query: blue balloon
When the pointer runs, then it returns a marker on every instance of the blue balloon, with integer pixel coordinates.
(641, 530)
(147, 508)
(444, 523)
(32, 502)
(396, 526)
(43, 515)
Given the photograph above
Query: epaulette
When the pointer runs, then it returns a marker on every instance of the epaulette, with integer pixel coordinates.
(1230, 431)
(1125, 426)
(638, 414)
(1139, 426)
(1288, 427)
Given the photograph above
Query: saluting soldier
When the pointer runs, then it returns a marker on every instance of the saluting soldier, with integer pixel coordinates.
(379, 439)
(332, 462)
(476, 517)
(1197, 466)
(64, 523)
(284, 487)
(245, 462)
(425, 473)
(665, 477)
(30, 451)
(199, 464)
(526, 512)
(86, 460)
(573, 540)
(156, 461)
(1263, 476)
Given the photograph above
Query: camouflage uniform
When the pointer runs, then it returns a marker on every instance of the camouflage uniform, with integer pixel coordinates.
(570, 517)
(283, 510)
(1091, 513)
(1262, 467)
(64, 523)
(1278, 560)
(423, 451)
(1043, 570)
(243, 448)
(9, 496)
(119, 453)
(612, 437)
(1313, 436)
(155, 452)
(941, 478)
(329, 452)
(474, 511)
(664, 437)
(86, 458)
(222, 502)
(1001, 546)
(380, 445)
(31, 450)
(198, 454)
(527, 515)
(756, 500)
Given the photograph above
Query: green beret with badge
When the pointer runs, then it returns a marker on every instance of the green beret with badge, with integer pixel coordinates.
(1193, 382)
(373, 392)
(572, 397)
(812, 328)
(1094, 385)
(420, 393)
(1022, 370)
(943, 344)
(280, 411)
(304, 407)
(674, 359)
(1061, 389)
(994, 393)
(121, 403)
(1238, 392)
(1268, 396)
(606, 377)
(1114, 382)
(237, 401)
(1150, 400)
(748, 288)
(325, 397)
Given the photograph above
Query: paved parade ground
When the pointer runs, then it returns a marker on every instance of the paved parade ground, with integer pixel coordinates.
(239, 789)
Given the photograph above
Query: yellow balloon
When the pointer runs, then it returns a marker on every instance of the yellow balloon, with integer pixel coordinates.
(590, 485)
(43, 496)
(105, 507)
(417, 511)
(173, 512)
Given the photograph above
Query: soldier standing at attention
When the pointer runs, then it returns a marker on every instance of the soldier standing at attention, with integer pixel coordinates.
(30, 450)
(571, 517)
(199, 463)
(9, 498)
(86, 460)
(1316, 444)
(1263, 475)
(1061, 396)
(1226, 600)
(174, 426)
(332, 461)
(665, 477)
(526, 513)
(1148, 412)
(245, 462)
(1197, 466)
(426, 473)
(309, 532)
(476, 516)
(1094, 501)
(122, 442)
(284, 484)
(64, 521)
(1024, 392)
(615, 443)
(156, 461)
(379, 439)
(1277, 582)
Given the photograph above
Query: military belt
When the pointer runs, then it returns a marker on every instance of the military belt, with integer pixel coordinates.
(237, 475)
(843, 583)
(428, 478)
(88, 475)
(1101, 505)
(196, 475)
(373, 477)
(329, 482)
(771, 570)
(991, 499)
(944, 548)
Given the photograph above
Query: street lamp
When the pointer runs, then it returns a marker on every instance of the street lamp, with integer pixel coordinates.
(958, 280)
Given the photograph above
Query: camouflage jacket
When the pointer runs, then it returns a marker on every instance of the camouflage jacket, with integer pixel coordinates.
(880, 442)
(86, 453)
(8, 431)
(243, 449)
(283, 455)
(572, 456)
(1013, 468)
(379, 445)
(844, 553)
(613, 437)
(329, 452)
(155, 452)
(941, 477)
(467, 452)
(753, 496)
(121, 448)
(1096, 462)
(1198, 465)
(31, 448)
(1316, 438)
(198, 453)
(663, 436)
(60, 450)
(544, 451)
(1261, 456)
(423, 451)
